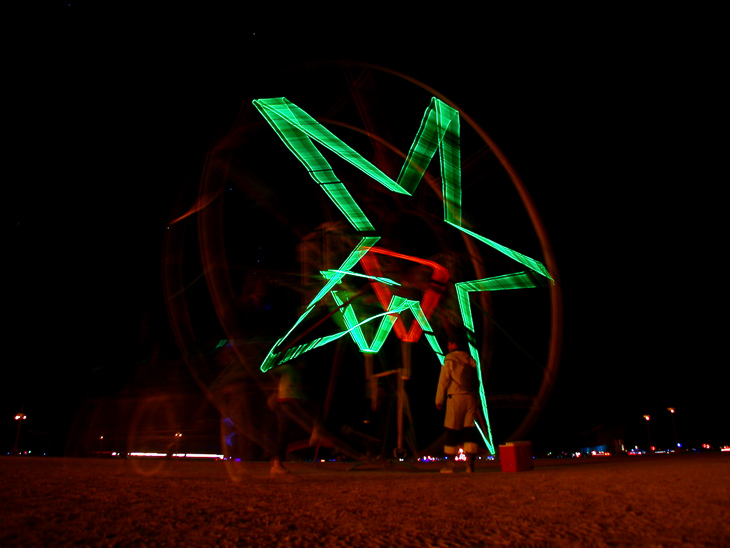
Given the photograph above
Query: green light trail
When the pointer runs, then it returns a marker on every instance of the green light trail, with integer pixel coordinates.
(439, 131)
(396, 306)
(360, 250)
(327, 274)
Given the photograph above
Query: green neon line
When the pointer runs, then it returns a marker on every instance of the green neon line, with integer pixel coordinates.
(396, 306)
(386, 324)
(351, 322)
(508, 281)
(388, 317)
(483, 398)
(327, 274)
(439, 131)
(355, 256)
(530, 263)
(298, 350)
(487, 440)
(294, 123)
(435, 346)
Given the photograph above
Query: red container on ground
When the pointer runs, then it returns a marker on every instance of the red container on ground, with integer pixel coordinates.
(516, 456)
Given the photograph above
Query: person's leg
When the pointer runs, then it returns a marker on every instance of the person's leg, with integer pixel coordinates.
(285, 424)
(456, 409)
(471, 437)
(451, 449)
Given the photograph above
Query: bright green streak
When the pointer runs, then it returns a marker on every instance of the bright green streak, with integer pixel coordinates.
(354, 258)
(327, 274)
(439, 131)
(298, 129)
(507, 281)
(396, 306)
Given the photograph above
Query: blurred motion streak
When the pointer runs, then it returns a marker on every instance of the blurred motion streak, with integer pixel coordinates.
(252, 302)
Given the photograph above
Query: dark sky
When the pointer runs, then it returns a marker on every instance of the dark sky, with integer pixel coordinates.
(602, 116)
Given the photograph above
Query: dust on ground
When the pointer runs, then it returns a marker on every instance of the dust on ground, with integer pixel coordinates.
(662, 500)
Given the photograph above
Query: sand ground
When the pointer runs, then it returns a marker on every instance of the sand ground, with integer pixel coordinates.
(667, 500)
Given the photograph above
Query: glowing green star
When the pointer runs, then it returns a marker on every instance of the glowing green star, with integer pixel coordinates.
(439, 130)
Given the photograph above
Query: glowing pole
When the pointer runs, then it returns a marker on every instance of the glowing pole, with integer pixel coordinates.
(372, 389)
(403, 375)
(20, 417)
(647, 418)
(401, 392)
(674, 425)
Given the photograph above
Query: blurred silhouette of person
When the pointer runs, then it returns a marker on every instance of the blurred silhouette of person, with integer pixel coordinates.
(458, 389)
(296, 416)
(289, 412)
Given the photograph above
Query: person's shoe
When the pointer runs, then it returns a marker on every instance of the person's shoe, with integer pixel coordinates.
(277, 469)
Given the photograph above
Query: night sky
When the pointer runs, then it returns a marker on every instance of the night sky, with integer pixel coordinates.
(114, 110)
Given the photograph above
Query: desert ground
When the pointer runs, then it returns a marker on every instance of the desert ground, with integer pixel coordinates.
(658, 500)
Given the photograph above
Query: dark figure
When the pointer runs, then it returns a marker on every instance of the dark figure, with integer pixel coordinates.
(458, 388)
(288, 410)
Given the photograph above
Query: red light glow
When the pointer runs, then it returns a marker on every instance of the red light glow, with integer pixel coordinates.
(440, 276)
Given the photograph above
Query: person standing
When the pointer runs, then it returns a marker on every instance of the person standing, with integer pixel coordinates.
(458, 390)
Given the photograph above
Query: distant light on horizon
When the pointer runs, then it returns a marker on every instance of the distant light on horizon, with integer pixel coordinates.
(174, 455)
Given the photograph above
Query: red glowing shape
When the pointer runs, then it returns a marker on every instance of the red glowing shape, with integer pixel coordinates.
(439, 277)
